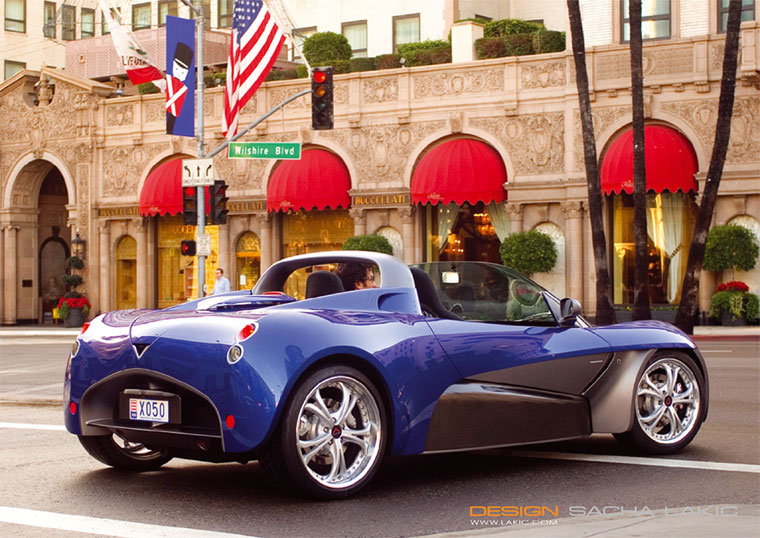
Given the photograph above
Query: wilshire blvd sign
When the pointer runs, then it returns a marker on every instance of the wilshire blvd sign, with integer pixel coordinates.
(265, 150)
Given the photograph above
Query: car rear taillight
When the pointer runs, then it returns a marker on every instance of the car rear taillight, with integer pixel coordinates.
(73, 408)
(246, 332)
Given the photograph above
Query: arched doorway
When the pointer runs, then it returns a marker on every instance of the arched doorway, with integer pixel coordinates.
(247, 260)
(53, 237)
(553, 280)
(126, 273)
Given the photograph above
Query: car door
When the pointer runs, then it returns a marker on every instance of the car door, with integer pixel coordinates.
(509, 333)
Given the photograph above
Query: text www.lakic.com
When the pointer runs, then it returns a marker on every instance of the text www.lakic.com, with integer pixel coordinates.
(513, 522)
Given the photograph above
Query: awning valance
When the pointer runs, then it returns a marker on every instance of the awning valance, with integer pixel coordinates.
(161, 193)
(459, 171)
(318, 180)
(669, 157)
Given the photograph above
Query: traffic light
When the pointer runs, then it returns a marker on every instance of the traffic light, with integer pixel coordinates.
(187, 247)
(189, 206)
(322, 98)
(218, 202)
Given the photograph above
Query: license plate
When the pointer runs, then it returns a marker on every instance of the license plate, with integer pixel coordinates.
(152, 410)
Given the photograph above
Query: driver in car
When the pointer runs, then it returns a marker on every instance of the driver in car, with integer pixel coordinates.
(356, 275)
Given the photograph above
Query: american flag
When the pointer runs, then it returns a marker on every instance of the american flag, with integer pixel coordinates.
(254, 46)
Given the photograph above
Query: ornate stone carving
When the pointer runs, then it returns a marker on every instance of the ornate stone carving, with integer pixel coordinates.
(744, 145)
(456, 122)
(379, 90)
(542, 74)
(154, 111)
(263, 219)
(572, 210)
(603, 118)
(472, 82)
(358, 214)
(380, 152)
(531, 141)
(123, 167)
(406, 214)
(120, 114)
(278, 95)
(58, 120)
(716, 56)
(515, 210)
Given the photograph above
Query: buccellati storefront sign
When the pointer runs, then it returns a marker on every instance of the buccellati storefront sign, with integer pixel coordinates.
(246, 206)
(383, 199)
(132, 211)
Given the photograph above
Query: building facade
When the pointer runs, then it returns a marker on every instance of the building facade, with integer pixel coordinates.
(443, 160)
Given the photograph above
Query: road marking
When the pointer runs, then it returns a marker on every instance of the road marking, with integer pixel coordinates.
(632, 460)
(103, 527)
(18, 426)
(58, 386)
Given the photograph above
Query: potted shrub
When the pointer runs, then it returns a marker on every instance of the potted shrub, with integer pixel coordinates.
(734, 305)
(529, 252)
(73, 307)
(373, 242)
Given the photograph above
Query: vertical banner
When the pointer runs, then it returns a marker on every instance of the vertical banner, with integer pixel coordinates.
(180, 76)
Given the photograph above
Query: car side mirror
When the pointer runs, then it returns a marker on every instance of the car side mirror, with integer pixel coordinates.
(569, 310)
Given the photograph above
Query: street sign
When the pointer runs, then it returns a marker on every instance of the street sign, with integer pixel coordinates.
(197, 172)
(203, 244)
(265, 150)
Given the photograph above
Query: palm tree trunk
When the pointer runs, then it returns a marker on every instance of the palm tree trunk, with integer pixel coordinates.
(688, 307)
(605, 314)
(641, 308)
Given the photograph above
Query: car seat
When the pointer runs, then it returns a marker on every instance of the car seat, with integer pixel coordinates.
(322, 283)
(428, 296)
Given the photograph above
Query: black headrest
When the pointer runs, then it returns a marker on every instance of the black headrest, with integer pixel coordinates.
(322, 283)
(429, 299)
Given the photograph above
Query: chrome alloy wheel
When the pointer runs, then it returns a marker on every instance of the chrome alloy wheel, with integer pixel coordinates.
(668, 401)
(339, 432)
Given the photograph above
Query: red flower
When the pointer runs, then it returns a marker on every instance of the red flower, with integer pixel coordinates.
(74, 302)
(734, 285)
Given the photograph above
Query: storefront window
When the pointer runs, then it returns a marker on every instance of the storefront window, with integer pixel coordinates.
(670, 223)
(248, 260)
(312, 231)
(177, 274)
(456, 233)
(126, 273)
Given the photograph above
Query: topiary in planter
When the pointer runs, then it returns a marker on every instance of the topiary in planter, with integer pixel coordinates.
(529, 252)
(322, 47)
(730, 247)
(72, 281)
(375, 243)
(74, 262)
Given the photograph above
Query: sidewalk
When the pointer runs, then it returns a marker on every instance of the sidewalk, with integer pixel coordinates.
(741, 521)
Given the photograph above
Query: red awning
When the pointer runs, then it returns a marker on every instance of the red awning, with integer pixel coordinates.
(459, 171)
(669, 157)
(317, 181)
(162, 192)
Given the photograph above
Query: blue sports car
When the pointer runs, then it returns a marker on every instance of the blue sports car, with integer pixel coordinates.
(319, 388)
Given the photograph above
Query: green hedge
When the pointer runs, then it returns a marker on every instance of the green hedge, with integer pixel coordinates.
(438, 55)
(363, 64)
(282, 74)
(147, 87)
(323, 47)
(490, 47)
(410, 48)
(519, 45)
(548, 41)
(388, 61)
(506, 27)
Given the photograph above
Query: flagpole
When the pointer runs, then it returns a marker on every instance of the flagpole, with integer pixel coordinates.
(201, 191)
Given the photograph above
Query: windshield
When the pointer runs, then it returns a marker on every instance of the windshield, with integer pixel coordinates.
(480, 291)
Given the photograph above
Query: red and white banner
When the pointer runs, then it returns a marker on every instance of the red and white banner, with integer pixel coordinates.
(137, 64)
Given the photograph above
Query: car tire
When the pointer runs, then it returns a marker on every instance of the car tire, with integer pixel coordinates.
(121, 454)
(331, 437)
(668, 404)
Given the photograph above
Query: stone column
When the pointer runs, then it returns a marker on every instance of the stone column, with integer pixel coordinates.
(104, 229)
(141, 225)
(706, 290)
(3, 257)
(574, 269)
(360, 220)
(407, 233)
(265, 235)
(10, 275)
(515, 217)
(223, 255)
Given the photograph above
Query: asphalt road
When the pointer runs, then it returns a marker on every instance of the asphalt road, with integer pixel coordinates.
(47, 470)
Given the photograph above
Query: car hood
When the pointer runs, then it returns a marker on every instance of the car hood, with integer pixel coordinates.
(643, 335)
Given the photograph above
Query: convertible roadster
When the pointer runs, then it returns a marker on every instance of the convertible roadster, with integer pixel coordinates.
(439, 357)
